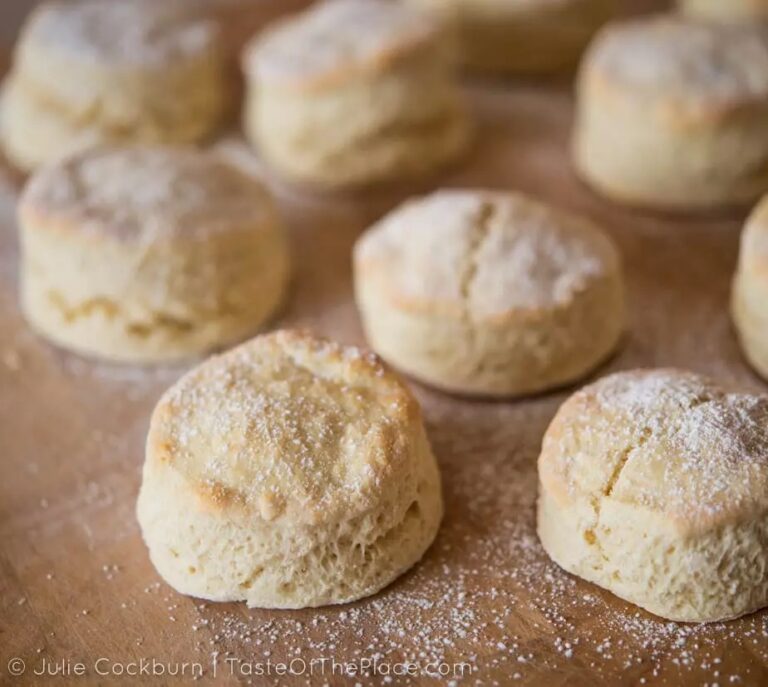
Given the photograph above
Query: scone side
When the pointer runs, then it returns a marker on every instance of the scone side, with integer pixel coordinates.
(749, 313)
(663, 156)
(101, 296)
(522, 352)
(402, 123)
(219, 545)
(638, 556)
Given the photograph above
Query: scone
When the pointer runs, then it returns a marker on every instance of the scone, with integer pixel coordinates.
(122, 72)
(673, 113)
(654, 485)
(729, 10)
(522, 36)
(354, 92)
(148, 253)
(488, 293)
(749, 298)
(289, 472)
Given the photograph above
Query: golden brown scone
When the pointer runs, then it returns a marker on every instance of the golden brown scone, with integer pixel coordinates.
(749, 299)
(489, 293)
(654, 485)
(673, 113)
(354, 92)
(148, 253)
(123, 72)
(289, 472)
(726, 10)
(522, 36)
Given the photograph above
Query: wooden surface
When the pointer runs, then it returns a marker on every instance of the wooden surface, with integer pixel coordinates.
(486, 605)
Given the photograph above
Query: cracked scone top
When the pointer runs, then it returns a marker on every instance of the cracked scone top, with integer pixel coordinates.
(289, 472)
(148, 253)
(654, 485)
(489, 292)
(337, 38)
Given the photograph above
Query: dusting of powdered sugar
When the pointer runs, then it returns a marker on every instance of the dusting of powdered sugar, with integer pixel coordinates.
(490, 253)
(676, 58)
(283, 424)
(142, 192)
(703, 452)
(337, 35)
(128, 31)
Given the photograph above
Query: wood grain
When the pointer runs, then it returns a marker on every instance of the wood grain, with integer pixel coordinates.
(75, 578)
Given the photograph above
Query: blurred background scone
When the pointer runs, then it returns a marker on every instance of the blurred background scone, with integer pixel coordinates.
(522, 36)
(353, 92)
(673, 113)
(727, 10)
(654, 485)
(148, 254)
(289, 472)
(489, 293)
(749, 300)
(89, 72)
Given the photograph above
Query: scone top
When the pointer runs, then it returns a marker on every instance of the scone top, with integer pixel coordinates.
(288, 424)
(671, 443)
(145, 193)
(124, 33)
(694, 67)
(485, 255)
(337, 39)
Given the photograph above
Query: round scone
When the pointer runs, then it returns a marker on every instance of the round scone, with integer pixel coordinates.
(353, 92)
(522, 36)
(749, 297)
(654, 485)
(289, 472)
(127, 71)
(148, 254)
(729, 10)
(673, 113)
(488, 293)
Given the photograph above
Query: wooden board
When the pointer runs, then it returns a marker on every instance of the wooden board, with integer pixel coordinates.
(485, 605)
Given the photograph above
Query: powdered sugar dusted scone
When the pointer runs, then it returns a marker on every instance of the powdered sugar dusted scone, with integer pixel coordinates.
(674, 113)
(353, 92)
(522, 36)
(731, 10)
(126, 71)
(749, 299)
(289, 472)
(488, 293)
(654, 485)
(148, 254)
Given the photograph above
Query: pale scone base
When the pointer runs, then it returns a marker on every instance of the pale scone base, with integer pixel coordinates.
(281, 564)
(659, 157)
(48, 112)
(405, 122)
(519, 354)
(639, 556)
(128, 303)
